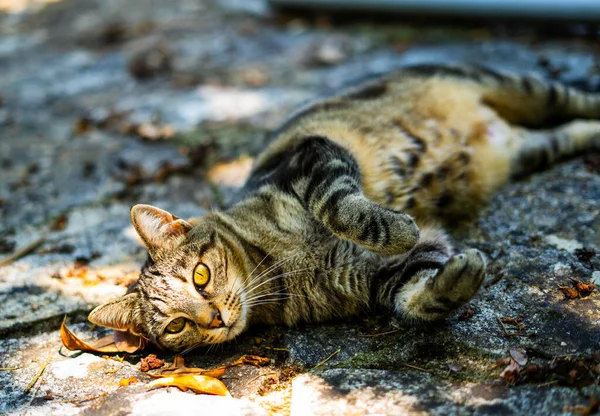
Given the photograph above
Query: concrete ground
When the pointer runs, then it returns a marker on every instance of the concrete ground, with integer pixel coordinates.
(104, 104)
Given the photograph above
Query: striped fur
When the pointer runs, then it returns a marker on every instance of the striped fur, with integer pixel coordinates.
(335, 216)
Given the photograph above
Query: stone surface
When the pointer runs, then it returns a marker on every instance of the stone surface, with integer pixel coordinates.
(108, 104)
(378, 392)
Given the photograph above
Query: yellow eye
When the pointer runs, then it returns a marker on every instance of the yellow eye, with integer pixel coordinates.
(176, 325)
(201, 275)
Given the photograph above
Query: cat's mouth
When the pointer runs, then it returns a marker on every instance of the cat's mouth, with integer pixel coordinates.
(234, 329)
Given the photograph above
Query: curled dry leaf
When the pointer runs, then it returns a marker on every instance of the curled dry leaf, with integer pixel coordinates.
(120, 341)
(196, 383)
(255, 360)
(150, 362)
(569, 292)
(578, 290)
(584, 289)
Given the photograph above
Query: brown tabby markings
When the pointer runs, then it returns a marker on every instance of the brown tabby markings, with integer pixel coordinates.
(325, 227)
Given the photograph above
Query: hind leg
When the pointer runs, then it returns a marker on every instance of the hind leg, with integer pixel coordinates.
(429, 282)
(537, 149)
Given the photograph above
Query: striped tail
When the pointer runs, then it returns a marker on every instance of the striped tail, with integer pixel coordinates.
(532, 101)
(520, 99)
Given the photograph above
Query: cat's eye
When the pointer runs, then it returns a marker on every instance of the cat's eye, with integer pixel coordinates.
(201, 275)
(176, 325)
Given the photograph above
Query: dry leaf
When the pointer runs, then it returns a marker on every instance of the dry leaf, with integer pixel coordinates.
(127, 381)
(120, 341)
(60, 223)
(569, 292)
(578, 290)
(151, 362)
(196, 383)
(584, 289)
(128, 342)
(466, 314)
(255, 360)
(178, 368)
(583, 410)
(82, 126)
(511, 373)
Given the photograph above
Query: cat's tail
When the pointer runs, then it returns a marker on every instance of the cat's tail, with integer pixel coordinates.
(533, 101)
(520, 99)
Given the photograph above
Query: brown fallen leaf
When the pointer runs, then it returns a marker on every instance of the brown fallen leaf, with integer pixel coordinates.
(59, 223)
(511, 373)
(178, 368)
(583, 410)
(196, 383)
(466, 314)
(151, 362)
(569, 292)
(254, 360)
(119, 341)
(578, 290)
(584, 289)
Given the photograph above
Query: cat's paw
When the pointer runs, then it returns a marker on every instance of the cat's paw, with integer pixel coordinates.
(460, 278)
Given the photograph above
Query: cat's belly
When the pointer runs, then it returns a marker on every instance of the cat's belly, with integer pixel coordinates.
(437, 169)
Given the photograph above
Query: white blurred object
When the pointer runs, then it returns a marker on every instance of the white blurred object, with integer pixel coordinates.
(554, 9)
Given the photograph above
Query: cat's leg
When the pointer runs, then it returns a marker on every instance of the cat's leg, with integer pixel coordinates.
(429, 282)
(330, 186)
(536, 149)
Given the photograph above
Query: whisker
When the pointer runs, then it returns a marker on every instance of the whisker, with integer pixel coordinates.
(268, 270)
(193, 347)
(274, 278)
(264, 294)
(276, 296)
(264, 258)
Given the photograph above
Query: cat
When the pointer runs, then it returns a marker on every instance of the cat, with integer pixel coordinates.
(338, 215)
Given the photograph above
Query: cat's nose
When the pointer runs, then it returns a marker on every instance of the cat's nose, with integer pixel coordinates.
(216, 321)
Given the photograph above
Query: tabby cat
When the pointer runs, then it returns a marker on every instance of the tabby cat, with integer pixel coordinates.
(337, 214)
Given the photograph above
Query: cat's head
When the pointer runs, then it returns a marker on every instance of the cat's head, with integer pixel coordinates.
(190, 291)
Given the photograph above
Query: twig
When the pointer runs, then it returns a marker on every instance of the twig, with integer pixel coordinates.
(9, 368)
(261, 375)
(78, 402)
(22, 252)
(502, 325)
(378, 334)
(37, 377)
(514, 334)
(328, 358)
(414, 367)
(548, 383)
(521, 334)
(277, 349)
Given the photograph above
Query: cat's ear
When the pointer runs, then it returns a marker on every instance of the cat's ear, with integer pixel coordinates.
(158, 228)
(117, 314)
